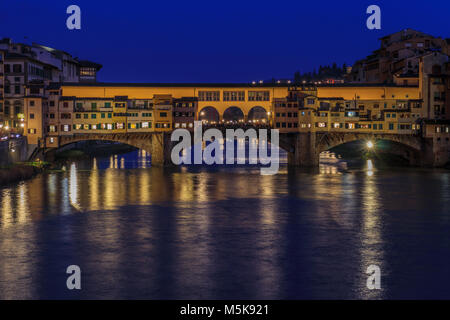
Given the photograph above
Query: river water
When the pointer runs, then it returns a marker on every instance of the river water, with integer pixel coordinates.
(225, 233)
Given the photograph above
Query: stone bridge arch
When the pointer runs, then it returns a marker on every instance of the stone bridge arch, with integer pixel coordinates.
(407, 146)
(326, 141)
(157, 144)
(305, 148)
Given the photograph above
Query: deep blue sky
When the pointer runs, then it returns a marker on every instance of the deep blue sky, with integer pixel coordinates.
(215, 41)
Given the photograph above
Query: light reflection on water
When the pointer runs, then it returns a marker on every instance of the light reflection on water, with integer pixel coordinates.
(141, 232)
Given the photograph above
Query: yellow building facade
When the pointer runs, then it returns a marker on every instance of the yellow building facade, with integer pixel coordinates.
(367, 109)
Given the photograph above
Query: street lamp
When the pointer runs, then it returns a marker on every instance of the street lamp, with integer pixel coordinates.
(369, 144)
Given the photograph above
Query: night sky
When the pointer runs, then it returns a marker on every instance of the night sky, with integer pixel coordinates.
(215, 41)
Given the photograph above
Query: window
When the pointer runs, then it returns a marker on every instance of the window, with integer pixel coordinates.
(17, 68)
(391, 126)
(258, 96)
(16, 89)
(86, 116)
(234, 96)
(209, 95)
(78, 116)
(93, 116)
(65, 105)
(163, 114)
(32, 103)
(34, 90)
(51, 103)
(31, 115)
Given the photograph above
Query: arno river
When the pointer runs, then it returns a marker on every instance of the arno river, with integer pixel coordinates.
(217, 233)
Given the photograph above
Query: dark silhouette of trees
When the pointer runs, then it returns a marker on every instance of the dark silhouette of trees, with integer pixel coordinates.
(325, 72)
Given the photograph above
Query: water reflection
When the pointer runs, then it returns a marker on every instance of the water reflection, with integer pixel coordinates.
(189, 232)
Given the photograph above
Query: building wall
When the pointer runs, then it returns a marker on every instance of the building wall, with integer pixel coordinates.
(178, 92)
(432, 85)
(34, 124)
(2, 93)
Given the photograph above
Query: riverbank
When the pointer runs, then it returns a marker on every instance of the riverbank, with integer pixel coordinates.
(20, 171)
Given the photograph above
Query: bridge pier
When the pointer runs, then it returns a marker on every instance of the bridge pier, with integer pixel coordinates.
(160, 149)
(303, 151)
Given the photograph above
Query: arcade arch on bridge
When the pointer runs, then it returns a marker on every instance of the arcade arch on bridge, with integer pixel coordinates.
(209, 115)
(233, 115)
(258, 115)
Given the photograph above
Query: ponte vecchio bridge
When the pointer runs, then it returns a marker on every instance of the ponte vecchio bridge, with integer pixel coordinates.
(310, 119)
